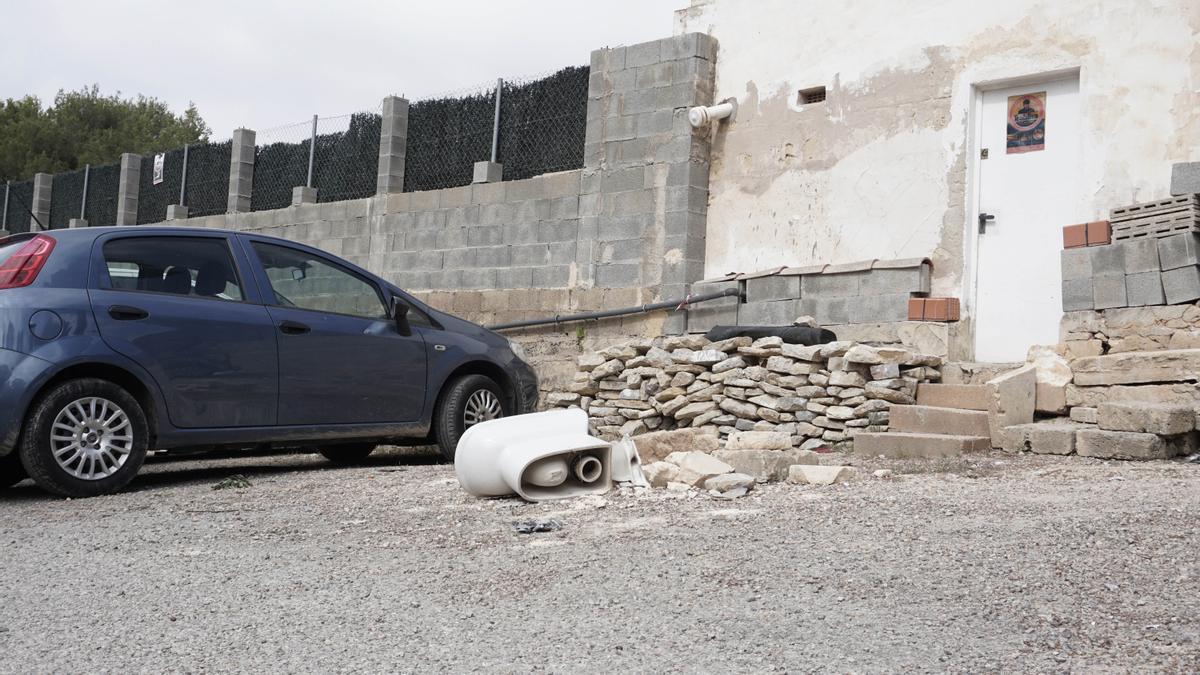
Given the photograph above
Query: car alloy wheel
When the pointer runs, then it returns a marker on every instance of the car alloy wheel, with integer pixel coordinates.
(91, 438)
(481, 406)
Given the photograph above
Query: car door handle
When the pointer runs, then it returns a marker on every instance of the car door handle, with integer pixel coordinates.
(127, 313)
(293, 328)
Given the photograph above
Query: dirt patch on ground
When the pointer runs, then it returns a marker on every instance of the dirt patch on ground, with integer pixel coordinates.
(992, 562)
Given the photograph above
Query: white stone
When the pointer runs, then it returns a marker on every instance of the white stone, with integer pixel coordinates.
(697, 467)
(660, 473)
(758, 440)
(804, 474)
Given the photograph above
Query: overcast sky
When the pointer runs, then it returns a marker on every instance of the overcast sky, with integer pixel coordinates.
(265, 63)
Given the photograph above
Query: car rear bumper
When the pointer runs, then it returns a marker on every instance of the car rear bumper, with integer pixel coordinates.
(20, 375)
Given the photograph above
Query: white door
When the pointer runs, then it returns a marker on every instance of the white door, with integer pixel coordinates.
(1029, 186)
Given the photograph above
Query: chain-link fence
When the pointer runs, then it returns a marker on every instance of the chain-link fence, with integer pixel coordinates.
(537, 128)
(104, 182)
(207, 191)
(154, 198)
(346, 162)
(19, 200)
(66, 198)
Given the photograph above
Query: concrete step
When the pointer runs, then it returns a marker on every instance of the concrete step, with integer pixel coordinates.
(961, 396)
(903, 445)
(926, 419)
(967, 372)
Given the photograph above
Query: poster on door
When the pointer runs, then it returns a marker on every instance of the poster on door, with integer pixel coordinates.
(1027, 122)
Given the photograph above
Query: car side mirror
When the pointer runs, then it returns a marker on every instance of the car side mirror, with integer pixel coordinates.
(400, 316)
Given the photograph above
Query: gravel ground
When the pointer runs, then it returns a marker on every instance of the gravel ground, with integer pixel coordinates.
(993, 563)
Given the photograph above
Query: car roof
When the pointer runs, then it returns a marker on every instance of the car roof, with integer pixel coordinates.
(94, 232)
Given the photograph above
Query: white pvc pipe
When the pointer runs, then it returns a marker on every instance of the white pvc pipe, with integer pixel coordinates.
(702, 116)
(588, 469)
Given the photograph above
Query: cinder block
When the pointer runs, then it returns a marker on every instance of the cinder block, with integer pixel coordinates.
(515, 277)
(1076, 264)
(827, 311)
(477, 279)
(1141, 255)
(893, 280)
(830, 285)
(618, 275)
(1185, 178)
(1075, 236)
(1179, 250)
(493, 256)
(1107, 259)
(1145, 288)
(878, 308)
(704, 316)
(774, 287)
(552, 276)
(1182, 285)
(1108, 291)
(772, 313)
(1077, 294)
(488, 172)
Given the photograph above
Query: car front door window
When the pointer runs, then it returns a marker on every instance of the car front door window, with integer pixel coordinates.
(306, 281)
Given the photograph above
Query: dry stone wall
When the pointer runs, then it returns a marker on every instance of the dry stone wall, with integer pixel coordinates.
(816, 395)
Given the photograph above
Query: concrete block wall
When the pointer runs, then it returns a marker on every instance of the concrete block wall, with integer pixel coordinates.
(868, 292)
(1132, 273)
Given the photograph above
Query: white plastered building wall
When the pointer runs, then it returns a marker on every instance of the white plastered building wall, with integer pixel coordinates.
(882, 168)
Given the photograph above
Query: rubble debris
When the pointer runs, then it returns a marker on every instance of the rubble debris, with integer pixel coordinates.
(821, 475)
(537, 525)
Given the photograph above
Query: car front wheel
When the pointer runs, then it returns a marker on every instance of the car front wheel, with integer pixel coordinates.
(466, 401)
(84, 438)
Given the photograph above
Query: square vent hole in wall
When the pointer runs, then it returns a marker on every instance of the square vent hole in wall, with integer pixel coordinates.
(811, 95)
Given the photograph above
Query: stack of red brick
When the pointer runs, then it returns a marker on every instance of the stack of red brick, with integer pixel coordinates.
(1097, 233)
(933, 309)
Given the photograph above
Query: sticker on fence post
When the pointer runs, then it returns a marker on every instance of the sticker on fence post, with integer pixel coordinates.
(159, 160)
(1027, 123)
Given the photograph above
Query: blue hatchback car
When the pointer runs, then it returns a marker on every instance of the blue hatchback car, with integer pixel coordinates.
(115, 341)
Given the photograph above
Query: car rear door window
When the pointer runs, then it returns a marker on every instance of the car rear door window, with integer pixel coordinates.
(193, 266)
(300, 279)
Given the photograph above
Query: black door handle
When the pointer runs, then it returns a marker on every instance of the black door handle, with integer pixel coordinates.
(127, 313)
(293, 328)
(983, 221)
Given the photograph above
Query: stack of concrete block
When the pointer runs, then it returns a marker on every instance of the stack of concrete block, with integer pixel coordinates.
(1179, 256)
(1151, 220)
(1121, 274)
(815, 395)
(872, 291)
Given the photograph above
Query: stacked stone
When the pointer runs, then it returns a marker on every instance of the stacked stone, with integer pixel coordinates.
(815, 395)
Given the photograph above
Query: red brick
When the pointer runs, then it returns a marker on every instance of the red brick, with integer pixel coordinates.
(1099, 233)
(916, 309)
(1075, 236)
(936, 309)
(952, 309)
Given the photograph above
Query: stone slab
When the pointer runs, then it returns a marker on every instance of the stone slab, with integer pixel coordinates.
(1164, 419)
(1044, 438)
(768, 465)
(1166, 365)
(1083, 414)
(905, 445)
(962, 396)
(1012, 399)
(1120, 445)
(935, 420)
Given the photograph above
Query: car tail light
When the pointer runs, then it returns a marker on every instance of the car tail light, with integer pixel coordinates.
(22, 267)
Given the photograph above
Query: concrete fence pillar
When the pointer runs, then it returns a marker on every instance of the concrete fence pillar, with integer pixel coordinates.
(241, 171)
(42, 184)
(393, 141)
(127, 188)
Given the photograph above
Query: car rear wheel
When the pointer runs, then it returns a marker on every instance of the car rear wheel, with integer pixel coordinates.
(348, 454)
(84, 438)
(11, 470)
(466, 401)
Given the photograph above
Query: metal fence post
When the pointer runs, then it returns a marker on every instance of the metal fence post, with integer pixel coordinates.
(496, 120)
(180, 211)
(307, 194)
(4, 219)
(492, 171)
(81, 221)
